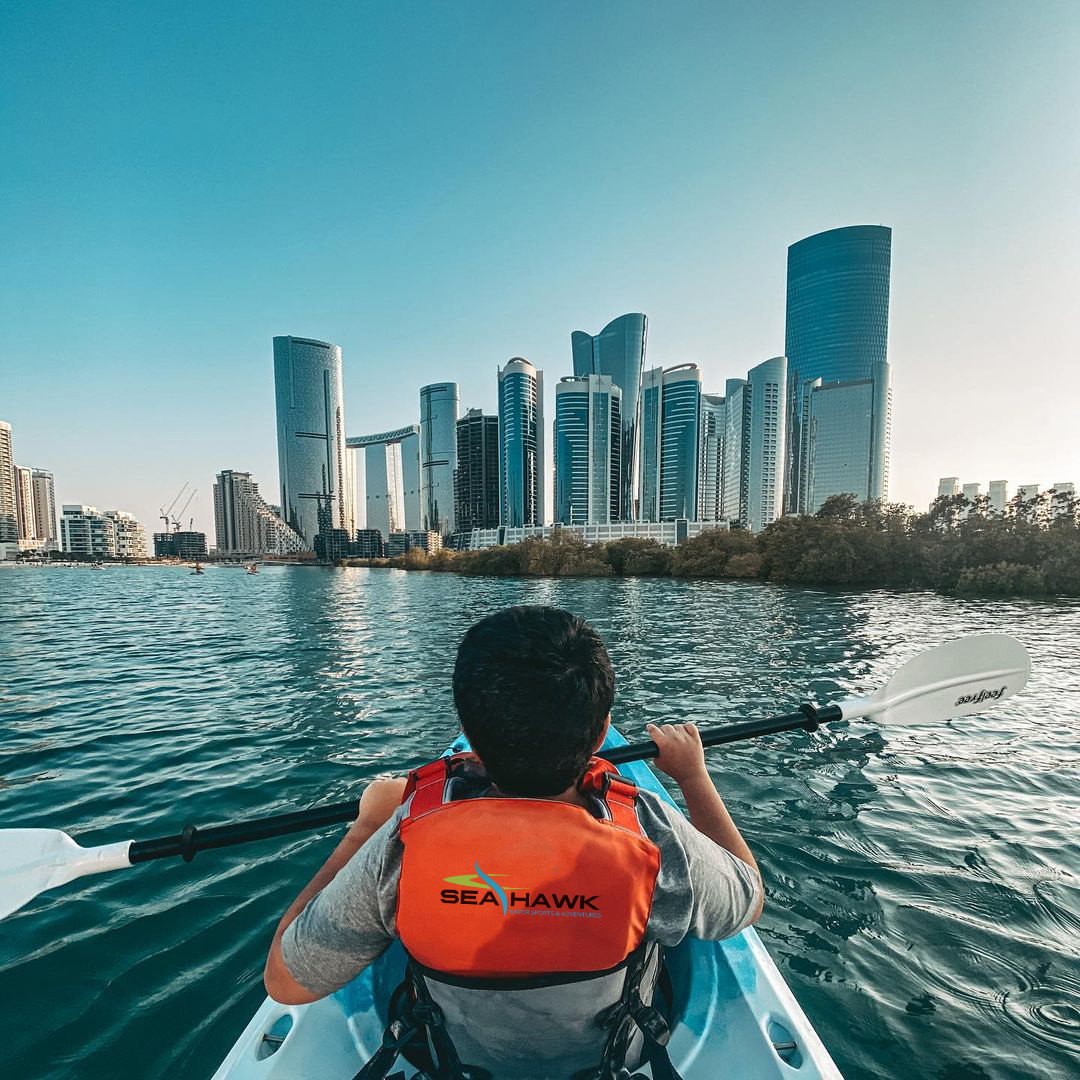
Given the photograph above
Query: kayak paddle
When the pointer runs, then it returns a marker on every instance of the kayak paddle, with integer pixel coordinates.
(955, 679)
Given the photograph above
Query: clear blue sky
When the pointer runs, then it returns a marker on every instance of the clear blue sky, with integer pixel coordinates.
(437, 188)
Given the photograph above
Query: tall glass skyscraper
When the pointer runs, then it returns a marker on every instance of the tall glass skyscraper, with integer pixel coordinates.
(476, 482)
(754, 422)
(619, 352)
(670, 443)
(838, 332)
(438, 456)
(314, 466)
(840, 421)
(588, 441)
(767, 384)
(521, 444)
(711, 467)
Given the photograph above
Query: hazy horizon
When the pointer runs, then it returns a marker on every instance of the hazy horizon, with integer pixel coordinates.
(437, 190)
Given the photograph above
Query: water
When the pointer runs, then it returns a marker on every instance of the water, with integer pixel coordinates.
(923, 898)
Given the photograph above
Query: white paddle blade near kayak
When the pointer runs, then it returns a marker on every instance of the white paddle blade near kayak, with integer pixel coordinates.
(33, 860)
(969, 675)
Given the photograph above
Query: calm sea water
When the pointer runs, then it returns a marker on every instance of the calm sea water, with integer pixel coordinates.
(923, 898)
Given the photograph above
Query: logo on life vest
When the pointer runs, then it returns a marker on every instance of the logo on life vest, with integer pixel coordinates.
(982, 695)
(517, 902)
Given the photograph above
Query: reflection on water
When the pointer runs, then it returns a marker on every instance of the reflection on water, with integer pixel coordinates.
(923, 893)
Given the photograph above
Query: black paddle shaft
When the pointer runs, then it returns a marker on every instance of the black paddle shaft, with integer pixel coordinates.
(191, 840)
(808, 718)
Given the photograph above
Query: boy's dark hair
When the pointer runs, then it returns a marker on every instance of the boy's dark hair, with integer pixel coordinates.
(533, 686)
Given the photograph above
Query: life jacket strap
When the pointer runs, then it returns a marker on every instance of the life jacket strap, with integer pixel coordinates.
(426, 786)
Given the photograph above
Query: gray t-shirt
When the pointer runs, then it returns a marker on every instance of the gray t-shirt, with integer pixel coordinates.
(702, 890)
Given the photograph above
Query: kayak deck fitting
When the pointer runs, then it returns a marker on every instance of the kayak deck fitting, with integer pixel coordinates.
(733, 1014)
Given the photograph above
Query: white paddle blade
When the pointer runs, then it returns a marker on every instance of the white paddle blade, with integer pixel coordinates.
(33, 860)
(961, 677)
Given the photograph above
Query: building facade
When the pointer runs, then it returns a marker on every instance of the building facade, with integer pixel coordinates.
(180, 544)
(668, 533)
(476, 482)
(245, 525)
(9, 514)
(85, 531)
(837, 331)
(670, 454)
(129, 535)
(521, 444)
(999, 496)
(24, 505)
(752, 494)
(392, 484)
(588, 450)
(438, 456)
(711, 465)
(314, 465)
(839, 421)
(618, 351)
(370, 544)
(948, 486)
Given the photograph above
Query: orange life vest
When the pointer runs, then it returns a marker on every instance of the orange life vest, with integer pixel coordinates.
(501, 887)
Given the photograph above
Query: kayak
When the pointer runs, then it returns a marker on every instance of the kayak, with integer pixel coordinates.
(733, 1014)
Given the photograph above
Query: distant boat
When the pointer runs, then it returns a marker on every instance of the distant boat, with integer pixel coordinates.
(97, 566)
(253, 569)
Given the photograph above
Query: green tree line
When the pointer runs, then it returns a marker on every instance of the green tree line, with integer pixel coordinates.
(958, 546)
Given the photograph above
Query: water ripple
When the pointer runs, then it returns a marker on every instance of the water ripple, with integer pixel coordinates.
(924, 883)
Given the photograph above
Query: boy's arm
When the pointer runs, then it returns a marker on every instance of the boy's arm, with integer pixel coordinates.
(379, 801)
(682, 757)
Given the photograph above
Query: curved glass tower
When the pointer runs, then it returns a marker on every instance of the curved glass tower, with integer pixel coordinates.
(313, 462)
(438, 456)
(838, 332)
(521, 444)
(619, 352)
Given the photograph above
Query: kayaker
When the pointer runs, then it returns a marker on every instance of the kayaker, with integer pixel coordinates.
(481, 838)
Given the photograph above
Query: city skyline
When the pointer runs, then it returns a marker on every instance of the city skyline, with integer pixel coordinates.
(151, 264)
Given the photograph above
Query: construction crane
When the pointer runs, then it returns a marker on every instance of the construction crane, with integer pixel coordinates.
(176, 520)
(164, 515)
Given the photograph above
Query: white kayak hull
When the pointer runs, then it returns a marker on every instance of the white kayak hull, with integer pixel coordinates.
(735, 1016)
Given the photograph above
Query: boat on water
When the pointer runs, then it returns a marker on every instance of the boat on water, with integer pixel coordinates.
(732, 1014)
(253, 568)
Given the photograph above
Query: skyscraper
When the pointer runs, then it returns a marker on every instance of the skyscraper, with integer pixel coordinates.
(711, 466)
(735, 491)
(999, 496)
(521, 444)
(313, 463)
(9, 519)
(24, 503)
(476, 481)
(670, 443)
(768, 386)
(44, 493)
(837, 331)
(752, 494)
(438, 456)
(839, 421)
(948, 486)
(392, 478)
(588, 443)
(619, 352)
